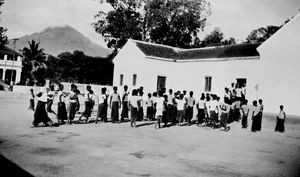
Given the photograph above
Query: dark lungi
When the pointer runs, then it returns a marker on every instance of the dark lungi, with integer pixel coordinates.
(40, 114)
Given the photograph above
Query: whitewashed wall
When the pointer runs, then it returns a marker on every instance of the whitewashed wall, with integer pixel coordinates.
(280, 69)
(188, 76)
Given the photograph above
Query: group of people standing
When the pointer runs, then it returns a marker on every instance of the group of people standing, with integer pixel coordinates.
(172, 107)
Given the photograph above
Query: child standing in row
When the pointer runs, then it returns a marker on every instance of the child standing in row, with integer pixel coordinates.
(115, 105)
(134, 105)
(149, 104)
(180, 109)
(280, 120)
(102, 107)
(31, 100)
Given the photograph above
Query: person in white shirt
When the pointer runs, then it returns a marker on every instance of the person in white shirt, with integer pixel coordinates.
(40, 114)
(154, 99)
(213, 111)
(180, 109)
(115, 105)
(245, 111)
(102, 106)
(255, 116)
(50, 95)
(201, 109)
(73, 103)
(124, 113)
(160, 106)
(87, 103)
(61, 106)
(31, 100)
(190, 107)
(134, 104)
(280, 120)
(224, 109)
(149, 105)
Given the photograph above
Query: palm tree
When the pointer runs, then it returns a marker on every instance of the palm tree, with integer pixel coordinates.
(34, 63)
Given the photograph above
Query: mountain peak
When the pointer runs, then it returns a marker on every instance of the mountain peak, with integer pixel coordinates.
(58, 39)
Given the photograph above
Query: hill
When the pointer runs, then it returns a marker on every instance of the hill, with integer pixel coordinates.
(63, 39)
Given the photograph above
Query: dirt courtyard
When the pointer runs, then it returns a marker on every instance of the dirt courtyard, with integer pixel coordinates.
(119, 150)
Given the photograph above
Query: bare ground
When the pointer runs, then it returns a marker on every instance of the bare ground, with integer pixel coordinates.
(119, 150)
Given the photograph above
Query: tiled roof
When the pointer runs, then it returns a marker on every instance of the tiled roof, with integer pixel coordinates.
(8, 51)
(228, 51)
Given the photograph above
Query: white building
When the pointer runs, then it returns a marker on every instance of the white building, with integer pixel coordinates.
(271, 74)
(10, 69)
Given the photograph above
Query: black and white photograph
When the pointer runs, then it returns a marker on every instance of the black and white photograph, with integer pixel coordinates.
(150, 88)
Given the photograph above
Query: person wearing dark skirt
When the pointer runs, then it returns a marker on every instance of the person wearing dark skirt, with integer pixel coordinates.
(180, 105)
(61, 107)
(141, 108)
(115, 105)
(40, 114)
(201, 110)
(134, 105)
(50, 95)
(73, 103)
(280, 120)
(170, 113)
(224, 109)
(31, 100)
(124, 113)
(261, 110)
(254, 112)
(164, 117)
(102, 107)
(245, 112)
(149, 105)
(190, 107)
(87, 104)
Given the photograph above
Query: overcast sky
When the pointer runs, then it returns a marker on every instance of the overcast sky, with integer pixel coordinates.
(236, 18)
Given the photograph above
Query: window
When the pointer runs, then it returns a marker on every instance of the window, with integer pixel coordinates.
(134, 79)
(121, 79)
(207, 84)
(161, 82)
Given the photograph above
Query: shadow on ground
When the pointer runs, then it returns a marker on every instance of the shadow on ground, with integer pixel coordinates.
(11, 169)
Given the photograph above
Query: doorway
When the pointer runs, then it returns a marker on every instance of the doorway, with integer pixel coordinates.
(161, 82)
(241, 82)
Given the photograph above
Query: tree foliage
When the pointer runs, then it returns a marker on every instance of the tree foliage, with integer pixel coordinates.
(34, 64)
(216, 38)
(261, 34)
(170, 22)
(3, 37)
(80, 68)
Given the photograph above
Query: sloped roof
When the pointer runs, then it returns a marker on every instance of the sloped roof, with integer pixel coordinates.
(8, 51)
(228, 51)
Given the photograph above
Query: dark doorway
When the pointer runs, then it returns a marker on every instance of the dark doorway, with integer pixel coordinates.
(10, 75)
(161, 82)
(241, 82)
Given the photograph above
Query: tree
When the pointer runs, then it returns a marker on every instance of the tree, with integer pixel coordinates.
(261, 34)
(3, 37)
(34, 63)
(214, 38)
(229, 41)
(170, 22)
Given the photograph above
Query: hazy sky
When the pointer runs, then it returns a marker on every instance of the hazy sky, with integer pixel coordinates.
(236, 18)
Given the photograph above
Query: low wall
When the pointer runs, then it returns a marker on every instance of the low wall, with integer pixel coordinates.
(67, 88)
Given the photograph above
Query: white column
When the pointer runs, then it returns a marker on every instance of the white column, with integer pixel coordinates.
(3, 75)
(18, 75)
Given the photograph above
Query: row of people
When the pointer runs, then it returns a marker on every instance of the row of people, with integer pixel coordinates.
(174, 108)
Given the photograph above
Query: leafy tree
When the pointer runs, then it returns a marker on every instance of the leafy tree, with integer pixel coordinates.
(3, 37)
(80, 68)
(214, 38)
(170, 22)
(34, 64)
(229, 41)
(261, 34)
